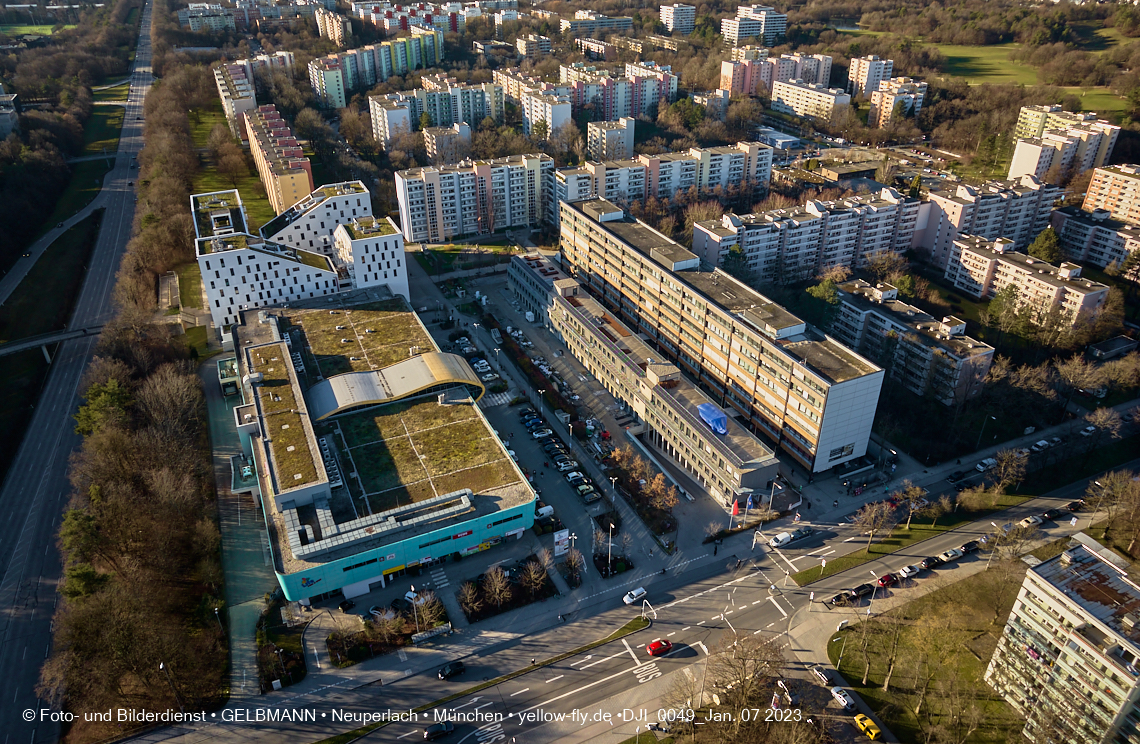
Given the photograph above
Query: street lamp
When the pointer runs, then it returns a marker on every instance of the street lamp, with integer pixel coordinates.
(613, 488)
(219, 619)
(540, 394)
(610, 556)
(415, 613)
(983, 431)
(163, 667)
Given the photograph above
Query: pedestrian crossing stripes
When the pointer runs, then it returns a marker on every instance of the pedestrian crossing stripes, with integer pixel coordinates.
(490, 400)
(439, 578)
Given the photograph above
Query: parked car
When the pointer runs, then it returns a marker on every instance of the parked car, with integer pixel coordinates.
(439, 730)
(908, 572)
(821, 674)
(950, 555)
(868, 727)
(1051, 514)
(780, 540)
(634, 595)
(346, 605)
(534, 423)
(660, 647)
(576, 474)
(585, 489)
(452, 669)
(1088, 431)
(568, 465)
(541, 433)
(862, 591)
(843, 697)
(1040, 445)
(1075, 506)
(580, 481)
(399, 604)
(929, 563)
(1031, 521)
(1054, 441)
(841, 599)
(886, 580)
(969, 547)
(956, 476)
(527, 411)
(489, 377)
(985, 465)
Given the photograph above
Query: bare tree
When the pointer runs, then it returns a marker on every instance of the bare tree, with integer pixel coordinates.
(912, 498)
(575, 562)
(1010, 468)
(1108, 423)
(978, 498)
(545, 559)
(1077, 373)
(626, 542)
(601, 540)
(469, 598)
(496, 587)
(891, 626)
(430, 609)
(1109, 491)
(744, 665)
(937, 508)
(533, 577)
(875, 518)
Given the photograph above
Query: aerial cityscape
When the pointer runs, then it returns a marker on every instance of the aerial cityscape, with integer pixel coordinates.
(559, 372)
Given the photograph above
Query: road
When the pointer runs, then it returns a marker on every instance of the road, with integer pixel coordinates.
(47, 339)
(36, 488)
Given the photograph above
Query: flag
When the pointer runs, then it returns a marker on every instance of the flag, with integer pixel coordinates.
(735, 507)
(749, 505)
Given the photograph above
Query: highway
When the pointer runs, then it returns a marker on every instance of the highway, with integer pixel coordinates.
(36, 489)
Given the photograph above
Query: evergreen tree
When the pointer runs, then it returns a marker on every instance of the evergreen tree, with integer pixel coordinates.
(1046, 246)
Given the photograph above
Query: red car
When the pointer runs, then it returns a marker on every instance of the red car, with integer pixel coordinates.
(887, 579)
(659, 647)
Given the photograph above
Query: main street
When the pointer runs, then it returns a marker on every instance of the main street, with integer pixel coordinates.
(36, 489)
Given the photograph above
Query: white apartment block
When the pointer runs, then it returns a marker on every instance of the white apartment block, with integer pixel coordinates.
(309, 224)
(447, 144)
(679, 18)
(754, 22)
(514, 84)
(1033, 121)
(1068, 655)
(666, 88)
(334, 77)
(748, 75)
(1116, 190)
(715, 103)
(610, 140)
(474, 197)
(1073, 149)
(281, 60)
(372, 252)
(242, 271)
(207, 17)
(543, 107)
(805, 99)
(897, 97)
(445, 106)
(533, 45)
(595, 49)
(391, 116)
(236, 90)
(866, 73)
(981, 268)
(1018, 210)
(748, 53)
(333, 26)
(503, 16)
(639, 91)
(784, 246)
(589, 23)
(1094, 237)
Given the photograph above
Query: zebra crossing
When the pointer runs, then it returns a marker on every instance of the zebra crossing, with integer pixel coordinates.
(439, 578)
(490, 400)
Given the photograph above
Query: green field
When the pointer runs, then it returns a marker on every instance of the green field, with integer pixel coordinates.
(986, 64)
(190, 285)
(17, 30)
(101, 134)
(86, 181)
(1101, 100)
(117, 93)
(257, 206)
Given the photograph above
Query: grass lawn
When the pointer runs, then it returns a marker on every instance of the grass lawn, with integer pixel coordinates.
(101, 134)
(257, 207)
(1101, 100)
(18, 30)
(861, 32)
(986, 64)
(86, 181)
(118, 93)
(196, 340)
(946, 637)
(190, 285)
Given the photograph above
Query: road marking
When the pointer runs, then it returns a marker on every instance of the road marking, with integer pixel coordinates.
(671, 634)
(758, 632)
(702, 622)
(686, 628)
(401, 736)
(607, 658)
(625, 643)
(525, 689)
(715, 617)
(757, 602)
(703, 647)
(817, 550)
(850, 539)
(582, 660)
(555, 679)
(769, 625)
(730, 612)
(778, 607)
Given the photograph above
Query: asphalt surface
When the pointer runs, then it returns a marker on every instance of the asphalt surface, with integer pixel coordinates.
(36, 489)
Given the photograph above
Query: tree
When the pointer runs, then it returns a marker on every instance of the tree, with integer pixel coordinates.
(539, 130)
(469, 598)
(533, 577)
(825, 304)
(736, 264)
(496, 587)
(744, 665)
(916, 187)
(660, 494)
(912, 498)
(978, 498)
(425, 121)
(1077, 373)
(1108, 423)
(105, 403)
(575, 562)
(1046, 246)
(875, 518)
(430, 609)
(937, 508)
(1010, 468)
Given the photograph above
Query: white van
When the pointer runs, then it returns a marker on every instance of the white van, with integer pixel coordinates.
(543, 511)
(780, 540)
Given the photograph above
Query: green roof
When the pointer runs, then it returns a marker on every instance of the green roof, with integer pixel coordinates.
(316, 260)
(367, 227)
(285, 427)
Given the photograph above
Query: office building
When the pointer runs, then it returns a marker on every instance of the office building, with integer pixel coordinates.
(333, 26)
(811, 396)
(610, 140)
(447, 144)
(1018, 210)
(806, 99)
(336, 76)
(589, 23)
(896, 98)
(310, 223)
(596, 50)
(783, 246)
(533, 45)
(1068, 655)
(931, 358)
(1094, 237)
(671, 413)
(1116, 190)
(371, 250)
(236, 90)
(357, 480)
(1070, 150)
(284, 169)
(474, 197)
(865, 74)
(758, 22)
(681, 19)
(553, 112)
(981, 268)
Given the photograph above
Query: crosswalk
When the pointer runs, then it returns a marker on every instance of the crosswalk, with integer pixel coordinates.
(439, 578)
(490, 400)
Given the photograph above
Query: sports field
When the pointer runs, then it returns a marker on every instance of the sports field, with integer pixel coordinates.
(16, 30)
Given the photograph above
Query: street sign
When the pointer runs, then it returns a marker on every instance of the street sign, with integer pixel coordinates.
(561, 542)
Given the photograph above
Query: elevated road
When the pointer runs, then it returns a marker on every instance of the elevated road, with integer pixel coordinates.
(46, 339)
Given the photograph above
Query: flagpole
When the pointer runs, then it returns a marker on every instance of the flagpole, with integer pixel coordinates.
(734, 512)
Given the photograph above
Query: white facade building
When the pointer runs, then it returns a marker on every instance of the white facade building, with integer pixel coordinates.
(754, 22)
(1074, 148)
(901, 96)
(372, 251)
(679, 18)
(805, 99)
(866, 73)
(552, 109)
(310, 223)
(610, 140)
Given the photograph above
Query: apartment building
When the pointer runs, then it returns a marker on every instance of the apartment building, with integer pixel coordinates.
(503, 16)
(372, 252)
(896, 98)
(748, 53)
(666, 42)
(447, 144)
(681, 19)
(207, 17)
(806, 99)
(610, 140)
(9, 115)
(391, 116)
(651, 71)
(930, 357)
(748, 76)
(333, 26)
(514, 84)
(589, 23)
(552, 111)
(1094, 237)
(533, 45)
(1068, 655)
(334, 77)
(865, 74)
(281, 163)
(1033, 121)
(236, 90)
(787, 382)
(754, 22)
(401, 112)
(445, 17)
(715, 103)
(639, 91)
(1073, 149)
(280, 60)
(783, 246)
(981, 268)
(242, 271)
(596, 50)
(310, 223)
(474, 197)
(1018, 210)
(1116, 190)
(672, 414)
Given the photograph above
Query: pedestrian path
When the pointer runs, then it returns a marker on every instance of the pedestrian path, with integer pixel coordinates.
(490, 400)
(439, 578)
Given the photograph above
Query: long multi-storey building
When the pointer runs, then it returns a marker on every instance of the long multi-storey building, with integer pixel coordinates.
(1068, 655)
(279, 60)
(981, 268)
(1018, 210)
(931, 358)
(445, 17)
(474, 197)
(1033, 121)
(335, 76)
(897, 97)
(747, 76)
(596, 50)
(681, 19)
(1094, 237)
(397, 113)
(807, 99)
(638, 91)
(783, 246)
(610, 140)
(754, 22)
(236, 90)
(589, 23)
(284, 169)
(672, 414)
(1116, 190)
(447, 144)
(811, 396)
(1072, 149)
(865, 74)
(532, 45)
(310, 223)
(515, 83)
(9, 116)
(333, 26)
(207, 17)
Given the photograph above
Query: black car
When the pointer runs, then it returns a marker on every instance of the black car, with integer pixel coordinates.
(970, 547)
(862, 590)
(554, 447)
(346, 605)
(451, 669)
(528, 411)
(960, 487)
(533, 424)
(439, 730)
(843, 598)
(931, 562)
(1051, 514)
(956, 476)
(399, 604)
(1075, 506)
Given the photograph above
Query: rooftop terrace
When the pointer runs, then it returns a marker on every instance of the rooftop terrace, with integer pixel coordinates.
(369, 227)
(217, 213)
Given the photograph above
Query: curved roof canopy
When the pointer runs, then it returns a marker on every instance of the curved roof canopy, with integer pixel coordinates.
(416, 376)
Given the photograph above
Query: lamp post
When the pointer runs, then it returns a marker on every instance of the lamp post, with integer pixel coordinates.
(163, 667)
(540, 394)
(983, 431)
(842, 647)
(415, 613)
(613, 488)
(219, 619)
(610, 548)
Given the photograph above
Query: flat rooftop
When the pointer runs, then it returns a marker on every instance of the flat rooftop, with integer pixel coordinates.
(237, 241)
(369, 227)
(286, 424)
(636, 234)
(826, 357)
(1094, 584)
(217, 213)
(738, 298)
(1042, 271)
(314, 199)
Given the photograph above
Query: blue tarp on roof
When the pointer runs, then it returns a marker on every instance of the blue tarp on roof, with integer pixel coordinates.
(714, 417)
